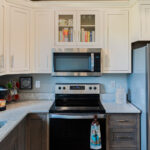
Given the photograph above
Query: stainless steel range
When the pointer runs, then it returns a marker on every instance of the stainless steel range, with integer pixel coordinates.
(72, 114)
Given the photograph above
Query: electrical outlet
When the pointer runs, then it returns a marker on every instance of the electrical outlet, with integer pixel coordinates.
(113, 84)
(37, 84)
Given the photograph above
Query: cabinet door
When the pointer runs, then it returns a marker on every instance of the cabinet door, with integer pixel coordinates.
(2, 55)
(65, 28)
(19, 40)
(11, 141)
(37, 129)
(88, 27)
(43, 41)
(145, 22)
(116, 57)
(22, 135)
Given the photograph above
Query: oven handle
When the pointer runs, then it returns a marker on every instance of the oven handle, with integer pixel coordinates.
(75, 116)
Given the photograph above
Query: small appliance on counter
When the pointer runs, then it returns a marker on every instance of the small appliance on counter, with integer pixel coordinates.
(3, 93)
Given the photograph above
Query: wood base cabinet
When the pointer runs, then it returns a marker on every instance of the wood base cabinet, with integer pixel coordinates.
(37, 132)
(16, 140)
(123, 132)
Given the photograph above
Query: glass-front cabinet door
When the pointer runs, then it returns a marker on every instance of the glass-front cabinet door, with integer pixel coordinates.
(87, 27)
(65, 27)
(76, 27)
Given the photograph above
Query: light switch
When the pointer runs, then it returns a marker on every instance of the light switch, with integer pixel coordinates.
(37, 84)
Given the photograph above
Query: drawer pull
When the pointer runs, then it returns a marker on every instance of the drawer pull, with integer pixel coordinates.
(124, 137)
(122, 120)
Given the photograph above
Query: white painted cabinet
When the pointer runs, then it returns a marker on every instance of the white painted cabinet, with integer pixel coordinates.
(116, 54)
(140, 23)
(77, 28)
(2, 53)
(43, 40)
(19, 39)
(145, 18)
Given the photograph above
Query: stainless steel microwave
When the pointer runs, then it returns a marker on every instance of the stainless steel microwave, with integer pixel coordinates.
(76, 62)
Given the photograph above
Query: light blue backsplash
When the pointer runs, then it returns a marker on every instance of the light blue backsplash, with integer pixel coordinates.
(138, 91)
(105, 81)
(48, 82)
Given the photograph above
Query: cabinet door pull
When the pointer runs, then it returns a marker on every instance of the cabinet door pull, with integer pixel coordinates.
(47, 62)
(12, 61)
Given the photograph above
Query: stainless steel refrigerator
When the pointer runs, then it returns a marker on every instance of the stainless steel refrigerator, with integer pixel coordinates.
(139, 87)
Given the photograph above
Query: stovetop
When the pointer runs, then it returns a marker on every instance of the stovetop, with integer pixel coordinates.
(77, 98)
(55, 109)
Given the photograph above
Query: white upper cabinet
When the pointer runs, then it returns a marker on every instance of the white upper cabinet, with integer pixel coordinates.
(65, 27)
(116, 54)
(43, 40)
(19, 38)
(2, 53)
(77, 28)
(140, 22)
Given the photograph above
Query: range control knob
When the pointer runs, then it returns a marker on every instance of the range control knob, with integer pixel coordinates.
(95, 88)
(90, 88)
(59, 88)
(64, 88)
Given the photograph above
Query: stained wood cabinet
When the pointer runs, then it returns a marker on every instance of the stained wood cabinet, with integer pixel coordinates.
(37, 132)
(123, 132)
(19, 38)
(116, 53)
(16, 139)
(2, 52)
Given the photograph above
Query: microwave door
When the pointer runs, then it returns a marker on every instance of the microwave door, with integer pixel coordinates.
(74, 62)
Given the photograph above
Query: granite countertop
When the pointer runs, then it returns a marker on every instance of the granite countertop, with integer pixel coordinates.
(120, 108)
(17, 111)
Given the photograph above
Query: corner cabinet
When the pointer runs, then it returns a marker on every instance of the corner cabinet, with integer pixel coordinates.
(77, 28)
(16, 139)
(116, 52)
(19, 38)
(43, 40)
(2, 53)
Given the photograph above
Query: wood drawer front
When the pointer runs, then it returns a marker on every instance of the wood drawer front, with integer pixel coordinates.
(123, 121)
(120, 138)
(122, 148)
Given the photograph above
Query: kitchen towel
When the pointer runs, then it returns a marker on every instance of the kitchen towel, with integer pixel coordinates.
(95, 138)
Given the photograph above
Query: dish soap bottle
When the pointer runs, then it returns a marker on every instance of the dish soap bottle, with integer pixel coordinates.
(95, 138)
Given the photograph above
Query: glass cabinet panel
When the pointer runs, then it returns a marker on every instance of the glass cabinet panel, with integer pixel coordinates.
(87, 28)
(65, 28)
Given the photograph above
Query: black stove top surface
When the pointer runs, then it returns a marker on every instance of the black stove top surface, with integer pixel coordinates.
(99, 109)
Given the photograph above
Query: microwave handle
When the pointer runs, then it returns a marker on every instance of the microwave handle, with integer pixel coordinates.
(92, 62)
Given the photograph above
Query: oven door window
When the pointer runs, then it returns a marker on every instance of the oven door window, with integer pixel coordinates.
(72, 62)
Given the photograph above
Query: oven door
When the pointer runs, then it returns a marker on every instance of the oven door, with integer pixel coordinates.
(72, 131)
